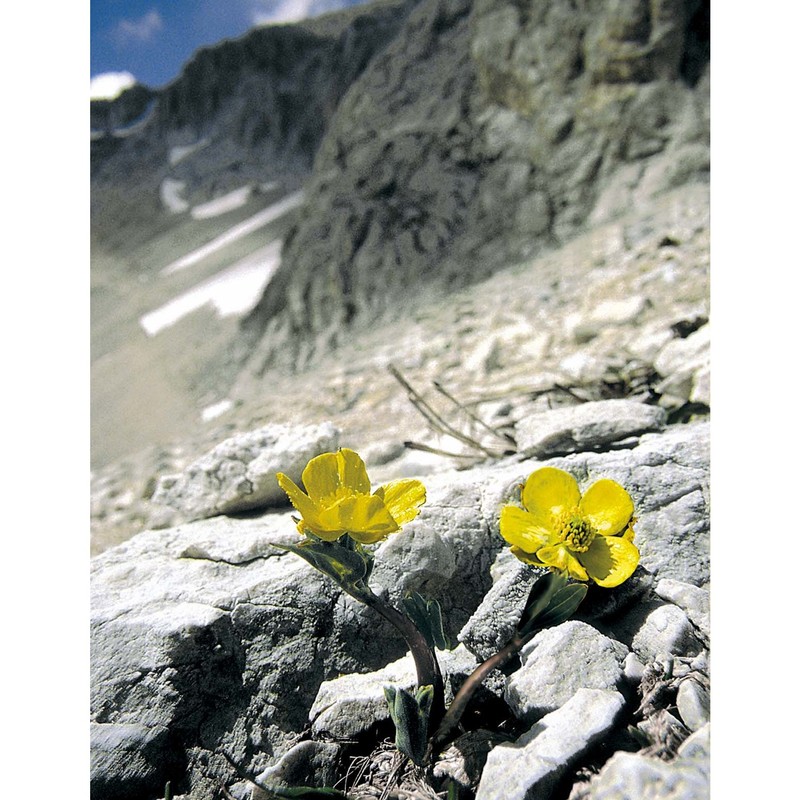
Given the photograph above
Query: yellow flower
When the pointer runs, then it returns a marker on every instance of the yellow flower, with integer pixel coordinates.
(588, 537)
(338, 499)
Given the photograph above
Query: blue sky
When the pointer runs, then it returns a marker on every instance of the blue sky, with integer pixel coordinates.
(152, 39)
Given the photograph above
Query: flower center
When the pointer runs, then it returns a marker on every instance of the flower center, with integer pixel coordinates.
(574, 530)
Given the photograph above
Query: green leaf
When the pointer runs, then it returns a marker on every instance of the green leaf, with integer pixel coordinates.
(347, 567)
(427, 617)
(563, 605)
(541, 594)
(410, 714)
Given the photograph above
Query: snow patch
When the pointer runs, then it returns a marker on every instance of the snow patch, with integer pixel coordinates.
(255, 222)
(171, 195)
(233, 291)
(221, 205)
(110, 85)
(216, 409)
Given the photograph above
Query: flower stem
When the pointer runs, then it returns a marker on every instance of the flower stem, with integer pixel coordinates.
(469, 687)
(428, 671)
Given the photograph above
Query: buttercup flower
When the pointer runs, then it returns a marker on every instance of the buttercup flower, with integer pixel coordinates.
(588, 537)
(337, 499)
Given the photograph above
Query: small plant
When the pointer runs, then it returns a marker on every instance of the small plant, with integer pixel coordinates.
(576, 537)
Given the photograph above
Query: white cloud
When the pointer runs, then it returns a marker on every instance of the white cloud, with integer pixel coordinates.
(139, 30)
(109, 85)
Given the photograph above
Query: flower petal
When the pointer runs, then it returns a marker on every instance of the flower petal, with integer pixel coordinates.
(607, 506)
(610, 560)
(402, 499)
(629, 533)
(550, 491)
(562, 559)
(527, 558)
(353, 472)
(365, 518)
(300, 500)
(521, 529)
(321, 479)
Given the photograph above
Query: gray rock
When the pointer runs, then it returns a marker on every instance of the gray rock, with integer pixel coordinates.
(531, 766)
(558, 662)
(219, 645)
(207, 631)
(694, 704)
(350, 704)
(692, 599)
(633, 669)
(698, 745)
(308, 763)
(684, 365)
(239, 474)
(127, 758)
(607, 314)
(631, 775)
(667, 630)
(463, 761)
(586, 426)
(667, 476)
(494, 621)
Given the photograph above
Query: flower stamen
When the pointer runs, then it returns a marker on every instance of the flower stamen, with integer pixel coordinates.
(574, 531)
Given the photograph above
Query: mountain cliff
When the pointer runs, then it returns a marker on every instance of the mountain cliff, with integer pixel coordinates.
(486, 131)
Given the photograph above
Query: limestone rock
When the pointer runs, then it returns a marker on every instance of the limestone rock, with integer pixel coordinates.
(127, 758)
(607, 314)
(308, 763)
(239, 474)
(586, 426)
(694, 704)
(480, 132)
(463, 761)
(666, 630)
(531, 766)
(684, 365)
(206, 630)
(495, 619)
(692, 599)
(212, 646)
(636, 775)
(351, 704)
(558, 662)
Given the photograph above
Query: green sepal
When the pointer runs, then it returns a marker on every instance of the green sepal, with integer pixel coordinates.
(541, 595)
(427, 617)
(563, 605)
(410, 714)
(348, 567)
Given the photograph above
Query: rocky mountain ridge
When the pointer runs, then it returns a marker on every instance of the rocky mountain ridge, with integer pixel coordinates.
(247, 109)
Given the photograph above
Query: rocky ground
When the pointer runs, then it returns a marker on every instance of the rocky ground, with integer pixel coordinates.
(215, 658)
(500, 260)
(221, 664)
(620, 310)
